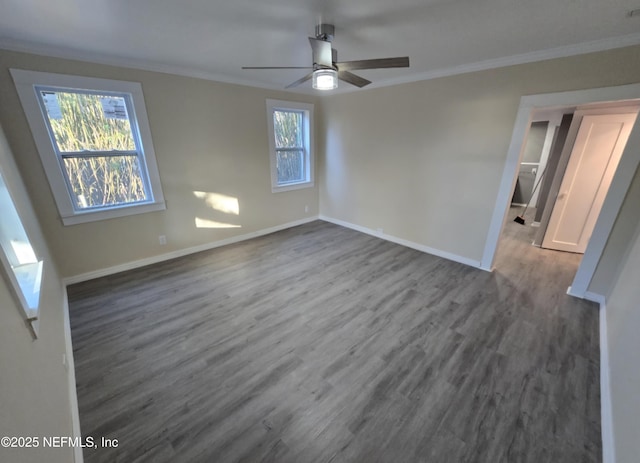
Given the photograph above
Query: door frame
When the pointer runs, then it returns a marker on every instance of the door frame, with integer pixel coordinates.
(617, 191)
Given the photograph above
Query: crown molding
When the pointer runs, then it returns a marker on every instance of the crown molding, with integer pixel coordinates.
(524, 58)
(530, 57)
(97, 58)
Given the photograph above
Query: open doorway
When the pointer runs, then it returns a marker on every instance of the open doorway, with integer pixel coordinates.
(541, 151)
(574, 171)
(619, 183)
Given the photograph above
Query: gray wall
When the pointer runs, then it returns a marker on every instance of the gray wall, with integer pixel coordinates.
(532, 152)
(535, 141)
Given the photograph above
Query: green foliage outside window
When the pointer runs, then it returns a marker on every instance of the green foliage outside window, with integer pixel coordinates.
(82, 128)
(288, 131)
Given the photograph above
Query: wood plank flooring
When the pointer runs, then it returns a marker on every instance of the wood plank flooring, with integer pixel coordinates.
(322, 344)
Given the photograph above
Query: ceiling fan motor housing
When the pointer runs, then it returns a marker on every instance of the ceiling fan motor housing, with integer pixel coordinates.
(327, 66)
(325, 32)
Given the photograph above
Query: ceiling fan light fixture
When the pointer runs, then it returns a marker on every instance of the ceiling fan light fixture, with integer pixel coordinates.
(325, 79)
(326, 69)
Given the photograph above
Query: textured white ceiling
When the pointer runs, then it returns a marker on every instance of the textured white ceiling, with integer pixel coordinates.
(215, 38)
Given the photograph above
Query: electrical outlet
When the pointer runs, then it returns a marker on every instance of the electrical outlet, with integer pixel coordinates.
(306, 208)
(162, 239)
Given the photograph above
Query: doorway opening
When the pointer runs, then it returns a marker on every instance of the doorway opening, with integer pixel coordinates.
(530, 108)
(572, 158)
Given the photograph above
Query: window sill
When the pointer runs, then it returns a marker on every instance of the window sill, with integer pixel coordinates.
(29, 277)
(292, 186)
(122, 211)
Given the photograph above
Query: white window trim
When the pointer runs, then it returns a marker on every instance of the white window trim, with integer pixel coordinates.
(20, 287)
(31, 305)
(25, 82)
(307, 120)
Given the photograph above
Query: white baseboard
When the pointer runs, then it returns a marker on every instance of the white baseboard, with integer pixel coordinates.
(593, 297)
(182, 252)
(71, 378)
(606, 412)
(588, 295)
(403, 242)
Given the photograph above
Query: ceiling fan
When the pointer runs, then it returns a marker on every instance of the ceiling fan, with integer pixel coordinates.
(326, 69)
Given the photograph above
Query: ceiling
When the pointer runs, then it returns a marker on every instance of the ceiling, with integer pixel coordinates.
(213, 39)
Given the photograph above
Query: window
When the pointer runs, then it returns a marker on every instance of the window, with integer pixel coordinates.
(95, 144)
(291, 144)
(22, 267)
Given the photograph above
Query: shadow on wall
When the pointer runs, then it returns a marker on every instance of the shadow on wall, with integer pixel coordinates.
(221, 205)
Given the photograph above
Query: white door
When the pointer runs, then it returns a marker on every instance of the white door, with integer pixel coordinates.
(596, 152)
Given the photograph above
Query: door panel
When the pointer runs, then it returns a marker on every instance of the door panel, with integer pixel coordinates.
(597, 150)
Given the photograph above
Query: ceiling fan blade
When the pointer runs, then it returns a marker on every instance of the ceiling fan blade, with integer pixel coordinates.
(277, 67)
(300, 81)
(321, 52)
(353, 79)
(380, 63)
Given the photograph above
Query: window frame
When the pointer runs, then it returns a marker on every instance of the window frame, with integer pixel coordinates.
(30, 305)
(29, 83)
(308, 144)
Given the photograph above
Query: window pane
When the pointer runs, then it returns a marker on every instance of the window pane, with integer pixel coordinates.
(105, 180)
(91, 122)
(290, 166)
(288, 129)
(17, 249)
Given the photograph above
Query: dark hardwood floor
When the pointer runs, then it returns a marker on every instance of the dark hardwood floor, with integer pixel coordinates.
(322, 344)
